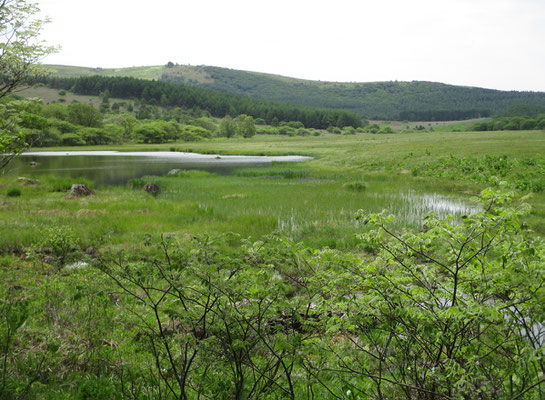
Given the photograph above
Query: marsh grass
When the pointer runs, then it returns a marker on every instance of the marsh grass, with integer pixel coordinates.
(76, 321)
(317, 211)
(307, 201)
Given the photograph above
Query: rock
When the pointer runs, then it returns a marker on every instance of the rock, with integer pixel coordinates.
(28, 181)
(151, 188)
(79, 189)
(33, 163)
(173, 171)
(48, 259)
(91, 251)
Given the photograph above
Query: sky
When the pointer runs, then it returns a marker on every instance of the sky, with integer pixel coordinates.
(496, 44)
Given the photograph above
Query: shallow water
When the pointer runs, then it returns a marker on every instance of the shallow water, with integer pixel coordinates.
(412, 206)
(402, 198)
(117, 168)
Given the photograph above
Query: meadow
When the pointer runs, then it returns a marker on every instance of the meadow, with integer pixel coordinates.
(262, 284)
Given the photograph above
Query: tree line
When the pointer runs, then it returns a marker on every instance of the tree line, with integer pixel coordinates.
(516, 123)
(370, 100)
(79, 124)
(218, 104)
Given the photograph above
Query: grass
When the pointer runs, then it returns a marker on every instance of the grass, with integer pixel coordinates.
(311, 201)
(49, 95)
(79, 321)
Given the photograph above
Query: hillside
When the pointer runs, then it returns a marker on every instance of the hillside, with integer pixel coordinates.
(411, 101)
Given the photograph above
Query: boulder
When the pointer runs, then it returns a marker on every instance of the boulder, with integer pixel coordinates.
(79, 189)
(151, 188)
(28, 181)
(173, 171)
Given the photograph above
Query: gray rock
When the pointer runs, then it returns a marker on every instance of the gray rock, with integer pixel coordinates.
(28, 181)
(173, 171)
(79, 189)
(48, 259)
(151, 188)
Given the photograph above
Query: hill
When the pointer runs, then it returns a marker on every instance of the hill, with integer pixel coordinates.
(411, 101)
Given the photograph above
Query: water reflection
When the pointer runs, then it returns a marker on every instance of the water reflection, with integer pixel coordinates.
(411, 206)
(116, 168)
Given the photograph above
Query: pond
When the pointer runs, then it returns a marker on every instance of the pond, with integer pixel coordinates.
(289, 200)
(117, 168)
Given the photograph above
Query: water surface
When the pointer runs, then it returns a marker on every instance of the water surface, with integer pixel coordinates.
(117, 168)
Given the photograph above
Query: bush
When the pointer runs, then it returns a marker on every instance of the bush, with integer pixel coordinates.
(458, 296)
(136, 183)
(355, 186)
(62, 243)
(13, 192)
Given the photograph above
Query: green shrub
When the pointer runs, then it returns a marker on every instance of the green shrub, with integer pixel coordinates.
(14, 192)
(62, 243)
(136, 183)
(63, 184)
(355, 186)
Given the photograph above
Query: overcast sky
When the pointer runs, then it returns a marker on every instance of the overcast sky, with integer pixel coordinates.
(497, 44)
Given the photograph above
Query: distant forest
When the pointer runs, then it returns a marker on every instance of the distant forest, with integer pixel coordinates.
(219, 104)
(402, 101)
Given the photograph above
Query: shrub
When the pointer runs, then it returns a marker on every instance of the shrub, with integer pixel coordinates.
(14, 192)
(459, 296)
(355, 186)
(136, 183)
(62, 243)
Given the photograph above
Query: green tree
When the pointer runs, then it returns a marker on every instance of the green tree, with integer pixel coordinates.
(84, 114)
(20, 52)
(452, 312)
(20, 49)
(227, 127)
(247, 127)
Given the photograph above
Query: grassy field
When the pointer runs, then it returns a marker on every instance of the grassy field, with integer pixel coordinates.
(49, 95)
(390, 152)
(307, 201)
(172, 278)
(148, 72)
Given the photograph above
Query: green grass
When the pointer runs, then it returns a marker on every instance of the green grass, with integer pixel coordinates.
(147, 72)
(81, 324)
(312, 201)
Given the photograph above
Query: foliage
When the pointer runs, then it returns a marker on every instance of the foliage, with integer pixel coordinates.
(227, 127)
(523, 173)
(454, 311)
(20, 50)
(218, 104)
(12, 140)
(61, 242)
(355, 186)
(514, 123)
(411, 101)
(13, 192)
(213, 323)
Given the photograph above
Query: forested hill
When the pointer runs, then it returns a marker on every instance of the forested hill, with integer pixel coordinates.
(411, 101)
(217, 103)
